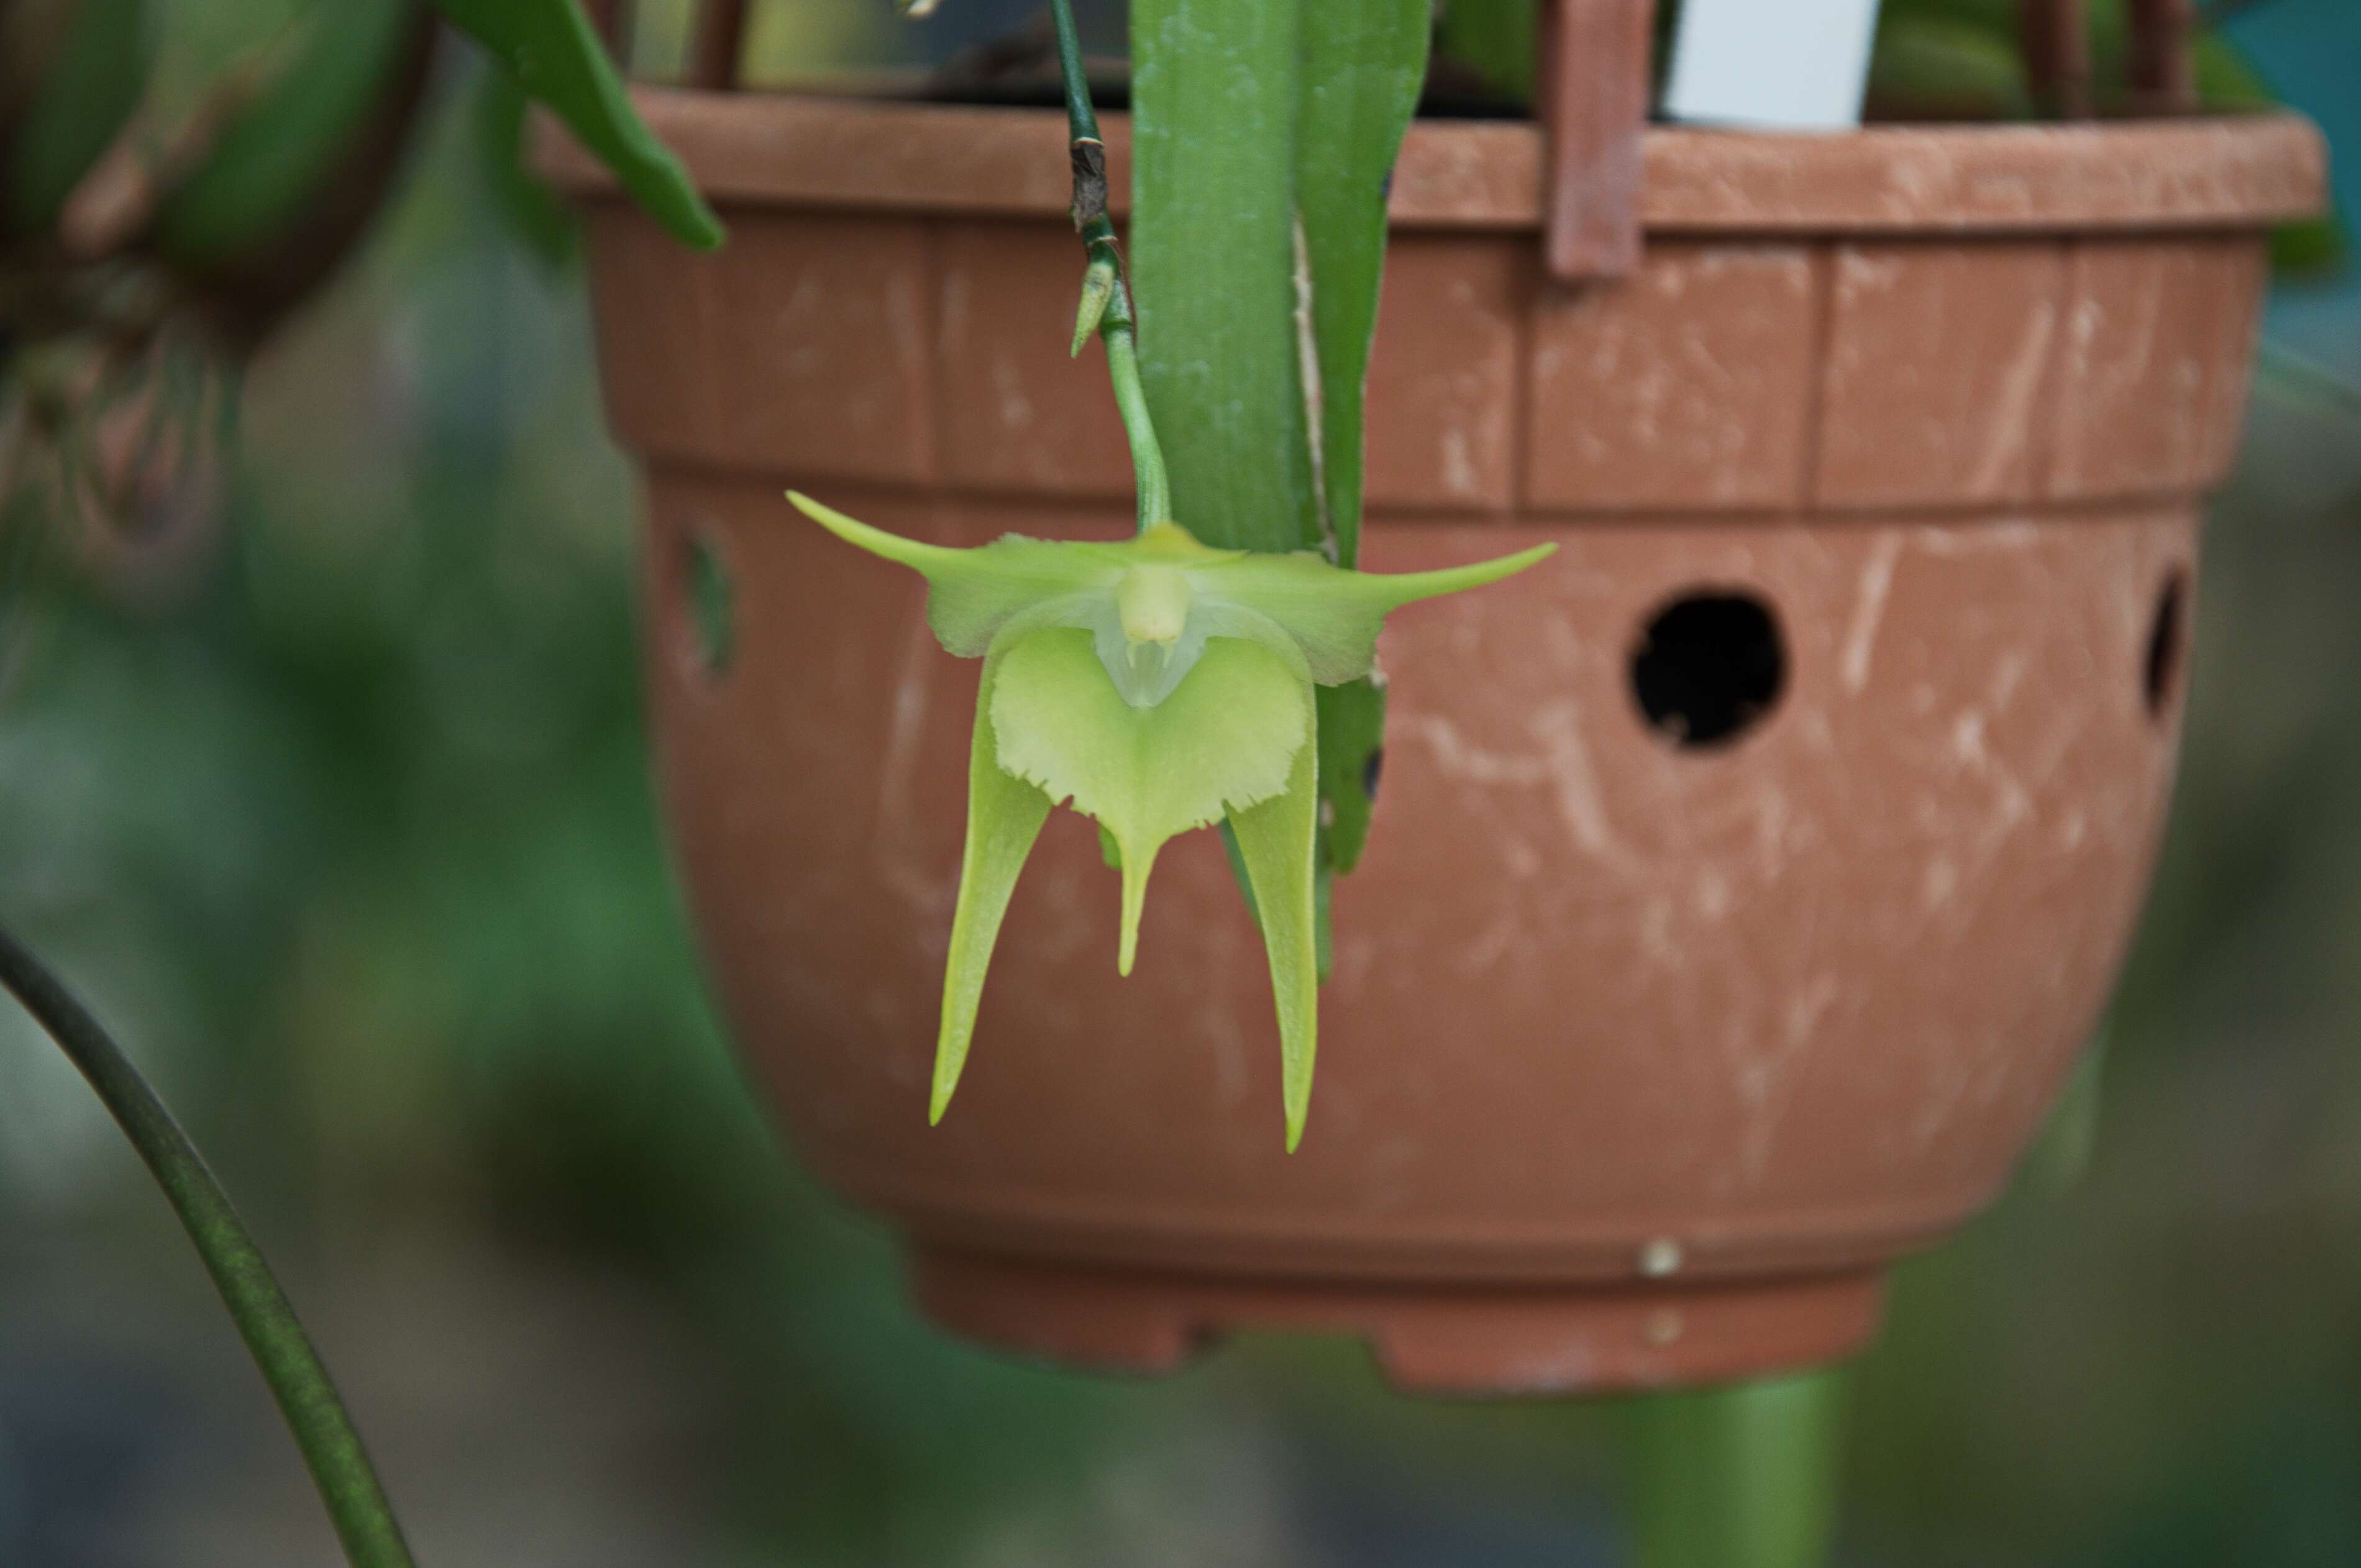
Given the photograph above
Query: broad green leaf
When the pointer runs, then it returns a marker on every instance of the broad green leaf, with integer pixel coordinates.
(267, 166)
(90, 78)
(1994, 16)
(1364, 64)
(560, 61)
(1495, 39)
(1224, 740)
(1274, 845)
(1925, 68)
(1352, 739)
(1004, 817)
(1363, 67)
(1215, 103)
(531, 209)
(1742, 1476)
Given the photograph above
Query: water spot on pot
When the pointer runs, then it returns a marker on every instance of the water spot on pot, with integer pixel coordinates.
(2168, 639)
(1663, 1327)
(709, 625)
(1709, 666)
(1661, 1257)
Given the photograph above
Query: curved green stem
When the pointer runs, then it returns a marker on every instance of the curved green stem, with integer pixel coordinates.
(1112, 298)
(1146, 457)
(339, 1464)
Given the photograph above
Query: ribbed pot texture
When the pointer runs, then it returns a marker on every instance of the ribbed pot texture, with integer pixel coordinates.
(1745, 880)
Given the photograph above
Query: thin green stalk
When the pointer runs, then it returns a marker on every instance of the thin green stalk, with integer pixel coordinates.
(1106, 298)
(1742, 1476)
(1146, 457)
(339, 1463)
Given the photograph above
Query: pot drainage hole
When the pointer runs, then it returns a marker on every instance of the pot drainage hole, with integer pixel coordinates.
(709, 610)
(1709, 667)
(2166, 643)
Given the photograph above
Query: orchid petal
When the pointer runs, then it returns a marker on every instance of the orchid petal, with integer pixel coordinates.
(1004, 817)
(1275, 840)
(1223, 741)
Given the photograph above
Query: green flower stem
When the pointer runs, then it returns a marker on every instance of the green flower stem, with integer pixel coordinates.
(1131, 399)
(339, 1464)
(1112, 298)
(1739, 1476)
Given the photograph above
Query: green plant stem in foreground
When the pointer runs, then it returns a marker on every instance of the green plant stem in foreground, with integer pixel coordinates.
(339, 1464)
(1740, 1476)
(1107, 297)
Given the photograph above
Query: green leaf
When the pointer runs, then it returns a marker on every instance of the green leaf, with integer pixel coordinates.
(1351, 737)
(1214, 105)
(1362, 66)
(1004, 817)
(1743, 1476)
(1934, 68)
(1224, 740)
(559, 61)
(529, 206)
(1495, 39)
(89, 83)
(266, 168)
(1274, 845)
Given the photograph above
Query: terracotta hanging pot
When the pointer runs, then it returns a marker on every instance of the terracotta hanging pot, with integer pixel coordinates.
(1744, 880)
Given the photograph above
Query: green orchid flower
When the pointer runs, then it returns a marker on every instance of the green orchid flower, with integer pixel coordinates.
(1155, 685)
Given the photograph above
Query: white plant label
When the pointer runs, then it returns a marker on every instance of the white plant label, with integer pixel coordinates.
(1796, 65)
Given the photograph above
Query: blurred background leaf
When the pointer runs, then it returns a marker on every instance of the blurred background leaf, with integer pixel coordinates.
(558, 60)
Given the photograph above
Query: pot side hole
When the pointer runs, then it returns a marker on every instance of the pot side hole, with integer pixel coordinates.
(707, 610)
(1709, 666)
(2168, 639)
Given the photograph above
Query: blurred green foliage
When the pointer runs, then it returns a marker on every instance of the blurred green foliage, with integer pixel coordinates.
(350, 822)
